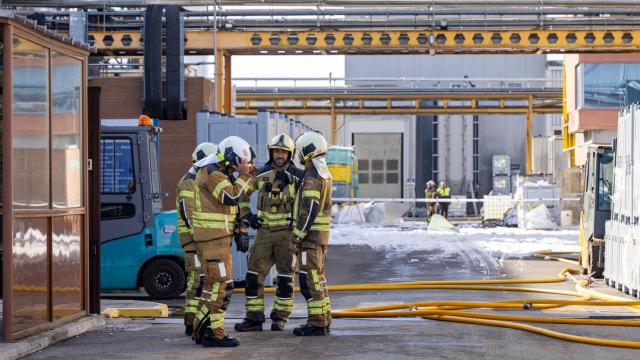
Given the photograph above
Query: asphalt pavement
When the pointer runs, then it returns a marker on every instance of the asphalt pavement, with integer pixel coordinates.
(368, 339)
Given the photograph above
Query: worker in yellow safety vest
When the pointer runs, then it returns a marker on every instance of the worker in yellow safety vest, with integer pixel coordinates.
(185, 205)
(312, 218)
(444, 192)
(276, 183)
(218, 194)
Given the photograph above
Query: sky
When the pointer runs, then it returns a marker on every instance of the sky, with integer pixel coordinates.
(292, 66)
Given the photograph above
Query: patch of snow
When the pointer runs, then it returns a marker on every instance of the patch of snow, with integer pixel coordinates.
(499, 242)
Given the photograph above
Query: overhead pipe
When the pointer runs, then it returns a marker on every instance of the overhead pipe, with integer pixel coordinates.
(340, 26)
(461, 24)
(415, 11)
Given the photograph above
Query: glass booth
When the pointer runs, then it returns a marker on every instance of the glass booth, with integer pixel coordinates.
(44, 186)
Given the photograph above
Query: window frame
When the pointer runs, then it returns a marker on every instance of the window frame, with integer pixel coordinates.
(102, 162)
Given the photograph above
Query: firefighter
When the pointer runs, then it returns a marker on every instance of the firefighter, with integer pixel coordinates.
(430, 194)
(276, 183)
(218, 194)
(185, 203)
(444, 192)
(312, 217)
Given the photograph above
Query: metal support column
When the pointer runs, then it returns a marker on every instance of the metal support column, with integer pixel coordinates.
(529, 135)
(334, 122)
(219, 82)
(227, 83)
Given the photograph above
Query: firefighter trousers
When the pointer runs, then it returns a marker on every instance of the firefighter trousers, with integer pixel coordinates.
(269, 248)
(313, 283)
(215, 286)
(193, 268)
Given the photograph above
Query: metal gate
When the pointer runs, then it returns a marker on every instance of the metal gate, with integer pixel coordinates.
(379, 164)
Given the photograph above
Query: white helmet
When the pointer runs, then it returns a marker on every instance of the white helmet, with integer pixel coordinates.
(203, 150)
(310, 145)
(234, 149)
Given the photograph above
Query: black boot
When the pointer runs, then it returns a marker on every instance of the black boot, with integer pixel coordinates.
(278, 325)
(309, 330)
(248, 325)
(209, 340)
(188, 330)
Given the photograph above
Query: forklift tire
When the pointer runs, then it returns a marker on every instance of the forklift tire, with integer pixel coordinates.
(163, 279)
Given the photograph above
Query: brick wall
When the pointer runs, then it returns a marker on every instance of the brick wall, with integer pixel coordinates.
(121, 98)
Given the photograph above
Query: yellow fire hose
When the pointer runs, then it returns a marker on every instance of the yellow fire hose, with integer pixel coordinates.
(451, 310)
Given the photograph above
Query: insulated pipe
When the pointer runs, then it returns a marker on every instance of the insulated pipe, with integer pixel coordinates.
(413, 24)
(450, 284)
(368, 11)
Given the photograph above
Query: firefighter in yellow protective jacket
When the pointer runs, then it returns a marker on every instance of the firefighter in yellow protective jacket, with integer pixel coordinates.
(185, 205)
(312, 217)
(277, 183)
(218, 194)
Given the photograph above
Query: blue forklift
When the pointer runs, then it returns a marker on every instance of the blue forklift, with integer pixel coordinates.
(139, 244)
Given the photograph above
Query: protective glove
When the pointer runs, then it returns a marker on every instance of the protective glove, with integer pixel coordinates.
(283, 177)
(242, 241)
(254, 221)
(294, 245)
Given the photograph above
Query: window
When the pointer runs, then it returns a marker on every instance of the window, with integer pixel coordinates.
(116, 168)
(587, 174)
(392, 178)
(66, 131)
(392, 164)
(363, 165)
(377, 165)
(30, 129)
(377, 178)
(608, 85)
(155, 178)
(363, 177)
(116, 211)
(605, 186)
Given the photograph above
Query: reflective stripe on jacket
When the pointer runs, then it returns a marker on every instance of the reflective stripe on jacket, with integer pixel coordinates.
(216, 203)
(312, 209)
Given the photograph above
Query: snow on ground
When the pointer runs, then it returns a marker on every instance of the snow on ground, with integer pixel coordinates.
(499, 242)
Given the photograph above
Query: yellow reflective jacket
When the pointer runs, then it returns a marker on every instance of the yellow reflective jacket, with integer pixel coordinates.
(444, 192)
(312, 208)
(217, 198)
(185, 205)
(276, 196)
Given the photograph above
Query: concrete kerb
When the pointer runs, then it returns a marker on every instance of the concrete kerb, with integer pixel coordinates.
(112, 309)
(34, 343)
(137, 309)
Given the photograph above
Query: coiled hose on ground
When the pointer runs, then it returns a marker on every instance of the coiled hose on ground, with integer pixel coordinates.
(458, 311)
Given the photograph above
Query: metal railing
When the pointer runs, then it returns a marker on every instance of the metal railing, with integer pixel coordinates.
(396, 82)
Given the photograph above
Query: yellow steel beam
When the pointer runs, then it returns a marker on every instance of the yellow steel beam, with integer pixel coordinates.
(455, 96)
(219, 82)
(334, 123)
(568, 139)
(384, 42)
(356, 103)
(529, 137)
(227, 84)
